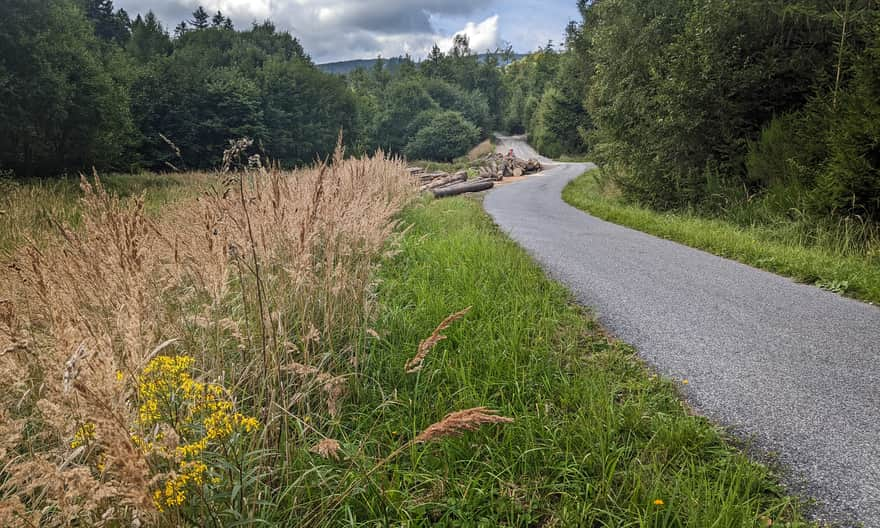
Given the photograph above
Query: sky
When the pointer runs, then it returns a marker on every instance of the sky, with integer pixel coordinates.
(333, 30)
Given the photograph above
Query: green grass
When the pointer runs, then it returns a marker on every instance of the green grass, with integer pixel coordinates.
(596, 439)
(28, 208)
(785, 247)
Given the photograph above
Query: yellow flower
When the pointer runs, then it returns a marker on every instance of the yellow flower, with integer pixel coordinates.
(194, 449)
(203, 414)
(119, 376)
(684, 382)
(658, 502)
(83, 435)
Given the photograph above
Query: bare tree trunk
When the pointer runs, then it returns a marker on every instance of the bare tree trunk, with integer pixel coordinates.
(840, 48)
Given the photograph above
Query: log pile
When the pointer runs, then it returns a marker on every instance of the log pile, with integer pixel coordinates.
(491, 168)
(499, 166)
(455, 189)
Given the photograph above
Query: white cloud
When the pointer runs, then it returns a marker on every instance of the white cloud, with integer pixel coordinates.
(240, 9)
(483, 36)
(343, 29)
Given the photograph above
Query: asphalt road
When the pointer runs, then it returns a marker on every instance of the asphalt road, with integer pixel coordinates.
(791, 368)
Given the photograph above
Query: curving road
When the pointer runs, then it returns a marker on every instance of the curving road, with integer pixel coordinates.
(789, 366)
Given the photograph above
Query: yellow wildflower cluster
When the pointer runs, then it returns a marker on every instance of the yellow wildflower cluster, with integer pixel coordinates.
(174, 492)
(201, 414)
(83, 435)
(161, 389)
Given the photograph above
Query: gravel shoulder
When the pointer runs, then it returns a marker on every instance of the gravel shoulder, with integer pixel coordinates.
(789, 368)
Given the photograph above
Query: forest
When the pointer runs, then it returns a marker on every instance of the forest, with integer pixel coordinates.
(84, 85)
(716, 105)
(746, 105)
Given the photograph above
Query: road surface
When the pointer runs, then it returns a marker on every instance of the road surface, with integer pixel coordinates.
(790, 367)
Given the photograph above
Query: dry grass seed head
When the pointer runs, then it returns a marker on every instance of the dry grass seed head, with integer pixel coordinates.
(98, 297)
(456, 423)
(416, 363)
(327, 448)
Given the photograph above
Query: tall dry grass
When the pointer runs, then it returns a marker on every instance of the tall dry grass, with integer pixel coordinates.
(263, 282)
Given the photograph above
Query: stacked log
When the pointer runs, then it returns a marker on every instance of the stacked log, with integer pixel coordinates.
(499, 166)
(492, 168)
(443, 184)
(443, 181)
(427, 177)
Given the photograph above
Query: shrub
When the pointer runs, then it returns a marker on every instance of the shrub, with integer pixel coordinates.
(471, 104)
(448, 136)
(850, 183)
(789, 151)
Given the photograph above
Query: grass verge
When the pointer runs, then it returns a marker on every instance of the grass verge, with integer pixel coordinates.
(597, 439)
(772, 248)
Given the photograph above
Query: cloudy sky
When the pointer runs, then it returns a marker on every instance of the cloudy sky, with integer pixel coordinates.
(334, 30)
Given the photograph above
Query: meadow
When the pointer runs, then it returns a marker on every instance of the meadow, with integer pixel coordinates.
(322, 348)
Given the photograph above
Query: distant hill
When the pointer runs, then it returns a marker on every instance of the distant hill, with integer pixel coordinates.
(392, 64)
(344, 67)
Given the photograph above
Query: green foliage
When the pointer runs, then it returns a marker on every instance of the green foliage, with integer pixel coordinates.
(393, 105)
(304, 111)
(787, 154)
(472, 105)
(851, 179)
(109, 25)
(83, 86)
(148, 39)
(525, 81)
(64, 100)
(403, 101)
(447, 136)
(714, 104)
(545, 96)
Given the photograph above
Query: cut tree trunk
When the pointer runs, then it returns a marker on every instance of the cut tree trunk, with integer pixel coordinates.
(462, 188)
(444, 181)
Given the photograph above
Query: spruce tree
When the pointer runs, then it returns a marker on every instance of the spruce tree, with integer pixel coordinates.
(200, 18)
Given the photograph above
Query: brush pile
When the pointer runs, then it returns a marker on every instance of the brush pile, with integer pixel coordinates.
(490, 169)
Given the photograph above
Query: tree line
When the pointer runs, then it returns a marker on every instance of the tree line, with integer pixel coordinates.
(436, 109)
(84, 85)
(712, 103)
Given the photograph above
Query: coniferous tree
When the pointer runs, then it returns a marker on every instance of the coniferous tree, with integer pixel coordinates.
(148, 38)
(218, 20)
(180, 29)
(199, 18)
(109, 25)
